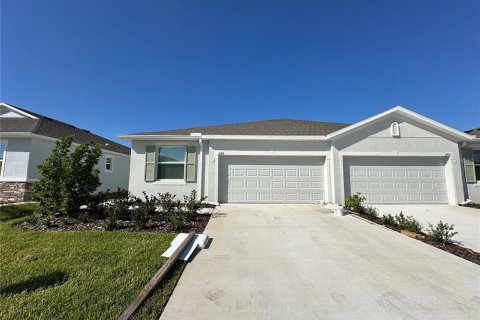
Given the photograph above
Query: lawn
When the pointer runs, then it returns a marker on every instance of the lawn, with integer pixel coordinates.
(78, 274)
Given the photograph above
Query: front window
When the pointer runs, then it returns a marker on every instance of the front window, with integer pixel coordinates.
(476, 162)
(171, 163)
(108, 163)
(2, 149)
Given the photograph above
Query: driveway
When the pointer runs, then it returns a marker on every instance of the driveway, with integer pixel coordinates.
(301, 262)
(465, 219)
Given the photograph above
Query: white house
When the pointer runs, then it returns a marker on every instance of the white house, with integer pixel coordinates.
(27, 138)
(397, 156)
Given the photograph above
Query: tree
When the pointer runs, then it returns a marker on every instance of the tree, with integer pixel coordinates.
(68, 177)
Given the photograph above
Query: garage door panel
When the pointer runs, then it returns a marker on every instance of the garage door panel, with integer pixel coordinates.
(271, 179)
(396, 180)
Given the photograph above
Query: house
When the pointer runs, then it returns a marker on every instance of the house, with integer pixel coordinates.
(27, 138)
(397, 156)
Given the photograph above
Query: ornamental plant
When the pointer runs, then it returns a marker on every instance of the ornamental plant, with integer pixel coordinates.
(68, 177)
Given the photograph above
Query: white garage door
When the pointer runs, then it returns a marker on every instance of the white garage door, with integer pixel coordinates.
(271, 179)
(396, 180)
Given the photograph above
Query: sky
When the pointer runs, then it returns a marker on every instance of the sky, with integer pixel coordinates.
(116, 67)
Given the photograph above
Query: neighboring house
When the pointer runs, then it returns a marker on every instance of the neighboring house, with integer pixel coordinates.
(471, 154)
(397, 156)
(27, 138)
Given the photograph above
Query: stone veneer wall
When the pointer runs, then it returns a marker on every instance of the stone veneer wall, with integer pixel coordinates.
(11, 192)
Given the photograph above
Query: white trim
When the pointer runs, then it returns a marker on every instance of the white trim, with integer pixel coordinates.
(3, 104)
(170, 181)
(39, 136)
(199, 165)
(111, 163)
(408, 114)
(272, 153)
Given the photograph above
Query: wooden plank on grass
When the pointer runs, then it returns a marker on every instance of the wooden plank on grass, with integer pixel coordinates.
(153, 283)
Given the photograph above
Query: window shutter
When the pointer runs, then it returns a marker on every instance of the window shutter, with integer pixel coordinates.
(150, 163)
(469, 165)
(191, 164)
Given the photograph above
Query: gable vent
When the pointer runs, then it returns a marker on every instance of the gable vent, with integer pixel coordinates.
(395, 130)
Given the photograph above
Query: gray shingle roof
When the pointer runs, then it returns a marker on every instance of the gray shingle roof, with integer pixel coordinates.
(52, 128)
(287, 127)
(474, 132)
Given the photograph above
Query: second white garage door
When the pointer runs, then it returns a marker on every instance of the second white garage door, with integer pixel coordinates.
(271, 179)
(396, 179)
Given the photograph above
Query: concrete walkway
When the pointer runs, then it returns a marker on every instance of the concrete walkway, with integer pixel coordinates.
(299, 262)
(466, 220)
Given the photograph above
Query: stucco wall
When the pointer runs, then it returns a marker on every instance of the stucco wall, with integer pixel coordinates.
(137, 182)
(414, 140)
(119, 176)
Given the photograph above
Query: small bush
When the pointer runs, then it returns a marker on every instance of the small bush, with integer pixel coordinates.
(114, 211)
(167, 202)
(370, 212)
(140, 216)
(150, 203)
(408, 223)
(177, 221)
(192, 204)
(388, 220)
(119, 194)
(354, 203)
(442, 232)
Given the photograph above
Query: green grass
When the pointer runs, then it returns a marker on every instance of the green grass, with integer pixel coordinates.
(78, 274)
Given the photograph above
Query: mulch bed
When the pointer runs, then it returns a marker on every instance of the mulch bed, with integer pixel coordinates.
(462, 252)
(54, 223)
(474, 205)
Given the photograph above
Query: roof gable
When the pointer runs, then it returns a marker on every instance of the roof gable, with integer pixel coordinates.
(425, 122)
(37, 124)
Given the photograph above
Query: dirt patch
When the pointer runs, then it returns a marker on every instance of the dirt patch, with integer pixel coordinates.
(459, 251)
(53, 223)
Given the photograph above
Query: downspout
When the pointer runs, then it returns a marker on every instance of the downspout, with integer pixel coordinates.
(200, 167)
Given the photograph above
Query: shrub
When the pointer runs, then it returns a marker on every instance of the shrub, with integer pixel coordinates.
(68, 177)
(442, 232)
(120, 193)
(408, 223)
(354, 203)
(388, 220)
(177, 220)
(140, 216)
(370, 212)
(192, 204)
(114, 211)
(168, 204)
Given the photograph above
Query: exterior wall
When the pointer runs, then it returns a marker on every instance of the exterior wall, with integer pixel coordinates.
(11, 192)
(414, 140)
(119, 176)
(137, 182)
(473, 189)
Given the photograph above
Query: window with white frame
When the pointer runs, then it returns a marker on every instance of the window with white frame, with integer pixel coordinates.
(476, 163)
(109, 163)
(171, 162)
(2, 151)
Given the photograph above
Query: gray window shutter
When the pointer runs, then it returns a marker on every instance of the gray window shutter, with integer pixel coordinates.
(191, 164)
(150, 163)
(469, 165)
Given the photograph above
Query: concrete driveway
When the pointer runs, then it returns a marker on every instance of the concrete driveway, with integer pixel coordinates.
(465, 219)
(299, 262)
